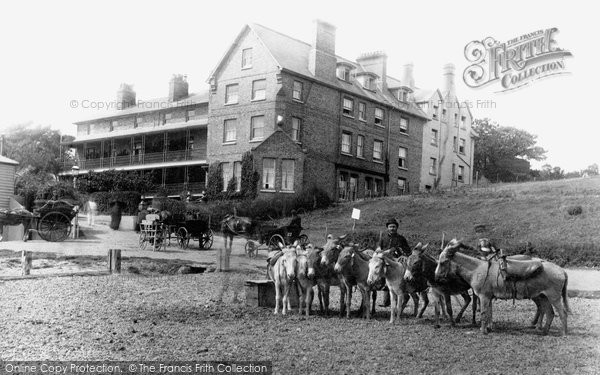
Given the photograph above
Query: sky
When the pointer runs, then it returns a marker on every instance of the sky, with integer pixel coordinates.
(58, 57)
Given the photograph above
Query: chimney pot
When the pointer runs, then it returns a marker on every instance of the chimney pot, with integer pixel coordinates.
(178, 87)
(448, 72)
(125, 96)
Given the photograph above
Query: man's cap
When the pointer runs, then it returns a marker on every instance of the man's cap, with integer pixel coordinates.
(392, 221)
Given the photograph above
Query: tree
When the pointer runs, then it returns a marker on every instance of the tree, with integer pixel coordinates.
(214, 189)
(37, 148)
(113, 180)
(497, 147)
(592, 170)
(250, 177)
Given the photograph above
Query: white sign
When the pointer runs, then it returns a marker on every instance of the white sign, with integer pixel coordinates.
(355, 213)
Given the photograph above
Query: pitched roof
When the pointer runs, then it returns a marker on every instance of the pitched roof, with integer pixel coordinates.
(279, 133)
(5, 160)
(292, 54)
(151, 105)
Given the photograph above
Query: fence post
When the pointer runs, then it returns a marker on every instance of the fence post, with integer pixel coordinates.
(26, 262)
(114, 260)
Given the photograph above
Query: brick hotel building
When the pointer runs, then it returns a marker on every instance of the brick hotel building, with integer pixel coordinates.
(310, 118)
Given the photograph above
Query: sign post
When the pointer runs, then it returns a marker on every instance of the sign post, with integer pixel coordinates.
(355, 216)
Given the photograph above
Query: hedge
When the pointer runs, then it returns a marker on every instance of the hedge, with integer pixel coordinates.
(129, 199)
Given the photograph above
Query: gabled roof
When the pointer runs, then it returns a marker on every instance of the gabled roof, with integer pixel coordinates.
(152, 105)
(279, 133)
(292, 55)
(5, 160)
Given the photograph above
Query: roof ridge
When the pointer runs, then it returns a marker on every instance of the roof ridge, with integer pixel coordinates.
(278, 32)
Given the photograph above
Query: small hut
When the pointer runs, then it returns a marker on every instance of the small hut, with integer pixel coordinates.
(8, 168)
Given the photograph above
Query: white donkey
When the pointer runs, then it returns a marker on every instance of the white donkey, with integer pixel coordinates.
(283, 274)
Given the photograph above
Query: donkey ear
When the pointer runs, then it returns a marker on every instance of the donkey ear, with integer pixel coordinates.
(281, 245)
(418, 246)
(425, 246)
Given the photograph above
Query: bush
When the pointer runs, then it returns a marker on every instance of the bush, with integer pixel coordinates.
(214, 188)
(575, 210)
(174, 206)
(130, 201)
(250, 177)
(63, 190)
(113, 180)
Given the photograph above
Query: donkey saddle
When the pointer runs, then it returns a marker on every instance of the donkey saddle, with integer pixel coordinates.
(514, 269)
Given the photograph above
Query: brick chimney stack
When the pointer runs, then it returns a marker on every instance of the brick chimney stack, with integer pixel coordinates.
(125, 96)
(408, 79)
(375, 62)
(322, 62)
(449, 78)
(178, 87)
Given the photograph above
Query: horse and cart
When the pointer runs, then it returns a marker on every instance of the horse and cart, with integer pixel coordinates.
(158, 229)
(52, 221)
(260, 234)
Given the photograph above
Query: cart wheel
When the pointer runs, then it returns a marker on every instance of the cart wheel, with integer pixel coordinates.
(205, 242)
(183, 239)
(54, 227)
(303, 239)
(275, 240)
(143, 241)
(251, 249)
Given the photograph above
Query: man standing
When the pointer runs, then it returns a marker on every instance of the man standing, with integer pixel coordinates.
(398, 244)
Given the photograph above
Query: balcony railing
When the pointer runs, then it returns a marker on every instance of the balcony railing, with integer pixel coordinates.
(139, 159)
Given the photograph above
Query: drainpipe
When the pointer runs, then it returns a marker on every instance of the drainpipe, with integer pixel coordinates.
(387, 151)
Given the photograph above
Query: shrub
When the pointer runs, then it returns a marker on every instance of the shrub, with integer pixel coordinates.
(250, 177)
(129, 199)
(575, 210)
(214, 188)
(174, 206)
(58, 190)
(113, 180)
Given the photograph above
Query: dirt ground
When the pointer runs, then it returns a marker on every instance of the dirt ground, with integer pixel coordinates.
(204, 317)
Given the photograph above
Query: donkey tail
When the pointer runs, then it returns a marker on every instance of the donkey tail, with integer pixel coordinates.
(565, 296)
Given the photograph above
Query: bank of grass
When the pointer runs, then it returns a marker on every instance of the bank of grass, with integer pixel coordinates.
(528, 217)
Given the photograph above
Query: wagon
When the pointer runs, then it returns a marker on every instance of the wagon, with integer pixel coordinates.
(52, 221)
(196, 230)
(272, 236)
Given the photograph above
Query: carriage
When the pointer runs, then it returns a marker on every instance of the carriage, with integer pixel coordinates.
(272, 236)
(52, 221)
(196, 230)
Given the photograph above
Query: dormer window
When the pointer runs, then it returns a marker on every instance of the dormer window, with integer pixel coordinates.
(367, 80)
(404, 94)
(343, 71)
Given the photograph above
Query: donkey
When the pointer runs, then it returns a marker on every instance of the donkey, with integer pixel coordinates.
(488, 281)
(305, 283)
(283, 273)
(353, 268)
(321, 266)
(382, 266)
(420, 273)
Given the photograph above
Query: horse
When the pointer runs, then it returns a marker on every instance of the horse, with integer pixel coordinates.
(283, 273)
(531, 279)
(382, 266)
(321, 267)
(420, 273)
(233, 225)
(353, 267)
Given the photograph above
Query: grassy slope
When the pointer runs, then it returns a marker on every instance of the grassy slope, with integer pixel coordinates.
(514, 215)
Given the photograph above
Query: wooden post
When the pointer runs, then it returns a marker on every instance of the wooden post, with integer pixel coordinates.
(114, 260)
(26, 261)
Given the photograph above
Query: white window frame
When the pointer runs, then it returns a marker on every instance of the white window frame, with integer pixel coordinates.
(343, 73)
(247, 58)
(237, 173)
(232, 97)
(461, 173)
(435, 113)
(348, 107)
(404, 123)
(362, 115)
(296, 127)
(230, 130)
(226, 170)
(346, 143)
(402, 157)
(287, 175)
(268, 175)
(434, 137)
(461, 146)
(253, 128)
(377, 151)
(463, 121)
(401, 186)
(257, 93)
(297, 94)
(360, 146)
(433, 166)
(379, 115)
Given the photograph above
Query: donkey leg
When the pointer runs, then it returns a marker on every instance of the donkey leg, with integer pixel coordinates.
(367, 297)
(562, 313)
(448, 301)
(437, 307)
(286, 292)
(538, 312)
(549, 312)
(310, 296)
(343, 292)
(425, 303)
(348, 301)
(393, 306)
(474, 307)
(467, 298)
(415, 298)
(373, 302)
(405, 299)
(277, 298)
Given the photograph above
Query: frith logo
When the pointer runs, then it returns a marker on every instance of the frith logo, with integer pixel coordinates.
(515, 63)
